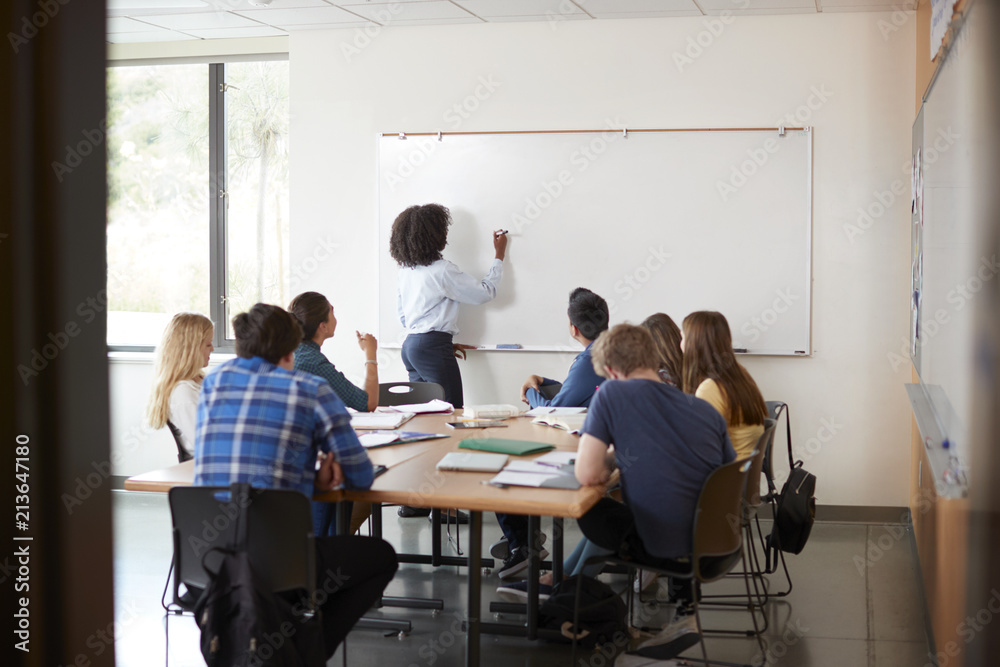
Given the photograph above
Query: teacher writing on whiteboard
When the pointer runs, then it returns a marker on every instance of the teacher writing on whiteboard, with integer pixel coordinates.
(430, 289)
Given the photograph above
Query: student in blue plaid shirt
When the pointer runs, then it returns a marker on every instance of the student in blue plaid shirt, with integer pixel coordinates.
(262, 422)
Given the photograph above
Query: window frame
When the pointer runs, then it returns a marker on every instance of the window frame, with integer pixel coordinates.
(218, 217)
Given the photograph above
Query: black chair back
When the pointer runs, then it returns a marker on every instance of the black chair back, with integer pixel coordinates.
(278, 529)
(763, 449)
(405, 393)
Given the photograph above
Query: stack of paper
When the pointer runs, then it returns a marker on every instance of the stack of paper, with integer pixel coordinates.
(373, 439)
(550, 410)
(568, 422)
(553, 470)
(437, 405)
(491, 411)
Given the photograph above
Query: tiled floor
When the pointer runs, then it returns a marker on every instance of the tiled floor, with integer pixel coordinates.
(855, 602)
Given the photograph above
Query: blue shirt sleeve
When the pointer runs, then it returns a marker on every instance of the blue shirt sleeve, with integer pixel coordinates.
(337, 437)
(578, 389)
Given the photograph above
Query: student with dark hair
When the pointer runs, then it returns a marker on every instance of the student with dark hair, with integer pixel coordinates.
(430, 290)
(665, 444)
(667, 340)
(712, 373)
(266, 424)
(315, 314)
(588, 317)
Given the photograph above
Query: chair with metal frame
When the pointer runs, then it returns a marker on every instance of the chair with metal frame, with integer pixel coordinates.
(775, 409)
(549, 391)
(279, 541)
(717, 543)
(752, 504)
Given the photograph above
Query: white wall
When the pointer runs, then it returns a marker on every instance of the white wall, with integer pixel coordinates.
(576, 74)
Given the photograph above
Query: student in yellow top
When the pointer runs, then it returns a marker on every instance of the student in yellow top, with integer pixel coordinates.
(712, 373)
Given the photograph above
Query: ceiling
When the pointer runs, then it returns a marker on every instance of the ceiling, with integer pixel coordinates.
(132, 21)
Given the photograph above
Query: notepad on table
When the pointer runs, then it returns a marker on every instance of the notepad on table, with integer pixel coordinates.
(504, 446)
(470, 462)
(572, 422)
(538, 480)
(380, 420)
(374, 439)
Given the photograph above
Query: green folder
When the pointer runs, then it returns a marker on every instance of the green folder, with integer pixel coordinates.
(502, 446)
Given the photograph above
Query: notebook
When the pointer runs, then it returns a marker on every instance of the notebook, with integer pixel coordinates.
(373, 439)
(430, 407)
(572, 423)
(467, 461)
(503, 446)
(538, 480)
(380, 420)
(553, 410)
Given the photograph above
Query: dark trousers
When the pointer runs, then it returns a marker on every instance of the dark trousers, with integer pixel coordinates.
(351, 573)
(429, 357)
(610, 524)
(515, 529)
(325, 517)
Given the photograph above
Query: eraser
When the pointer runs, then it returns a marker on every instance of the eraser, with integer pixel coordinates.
(509, 346)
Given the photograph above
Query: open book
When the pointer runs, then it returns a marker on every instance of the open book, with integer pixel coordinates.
(572, 422)
(380, 420)
(491, 411)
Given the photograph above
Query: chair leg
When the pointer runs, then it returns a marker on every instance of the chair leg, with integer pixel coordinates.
(166, 636)
(576, 617)
(753, 615)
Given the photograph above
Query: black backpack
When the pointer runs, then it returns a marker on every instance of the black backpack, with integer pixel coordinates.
(795, 513)
(243, 624)
(601, 616)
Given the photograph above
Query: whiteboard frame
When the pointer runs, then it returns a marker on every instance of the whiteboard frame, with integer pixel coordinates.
(440, 135)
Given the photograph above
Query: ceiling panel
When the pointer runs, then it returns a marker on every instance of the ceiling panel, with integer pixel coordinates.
(870, 5)
(744, 6)
(148, 36)
(647, 15)
(236, 33)
(391, 13)
(296, 17)
(200, 21)
(539, 8)
(595, 7)
(122, 24)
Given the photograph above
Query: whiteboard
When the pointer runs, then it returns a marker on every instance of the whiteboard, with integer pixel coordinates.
(668, 222)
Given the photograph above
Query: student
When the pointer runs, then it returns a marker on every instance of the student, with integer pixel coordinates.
(588, 317)
(262, 422)
(315, 316)
(665, 444)
(667, 340)
(178, 372)
(712, 373)
(430, 290)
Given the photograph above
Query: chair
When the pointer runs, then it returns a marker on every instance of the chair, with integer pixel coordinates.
(775, 409)
(404, 393)
(752, 503)
(279, 541)
(717, 543)
(182, 454)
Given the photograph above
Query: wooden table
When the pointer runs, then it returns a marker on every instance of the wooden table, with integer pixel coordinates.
(412, 479)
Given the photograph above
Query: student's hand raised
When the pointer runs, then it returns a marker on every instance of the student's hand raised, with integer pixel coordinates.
(533, 382)
(500, 243)
(459, 349)
(368, 344)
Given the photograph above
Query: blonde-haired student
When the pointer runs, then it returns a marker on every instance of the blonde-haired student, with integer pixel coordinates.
(177, 374)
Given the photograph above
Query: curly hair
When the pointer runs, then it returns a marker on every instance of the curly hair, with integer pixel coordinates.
(419, 234)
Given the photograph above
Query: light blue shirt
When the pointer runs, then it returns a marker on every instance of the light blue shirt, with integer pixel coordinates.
(428, 296)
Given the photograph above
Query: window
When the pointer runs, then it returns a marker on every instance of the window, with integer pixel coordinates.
(197, 195)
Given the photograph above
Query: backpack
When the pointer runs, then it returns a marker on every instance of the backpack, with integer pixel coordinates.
(795, 509)
(243, 624)
(795, 513)
(601, 615)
